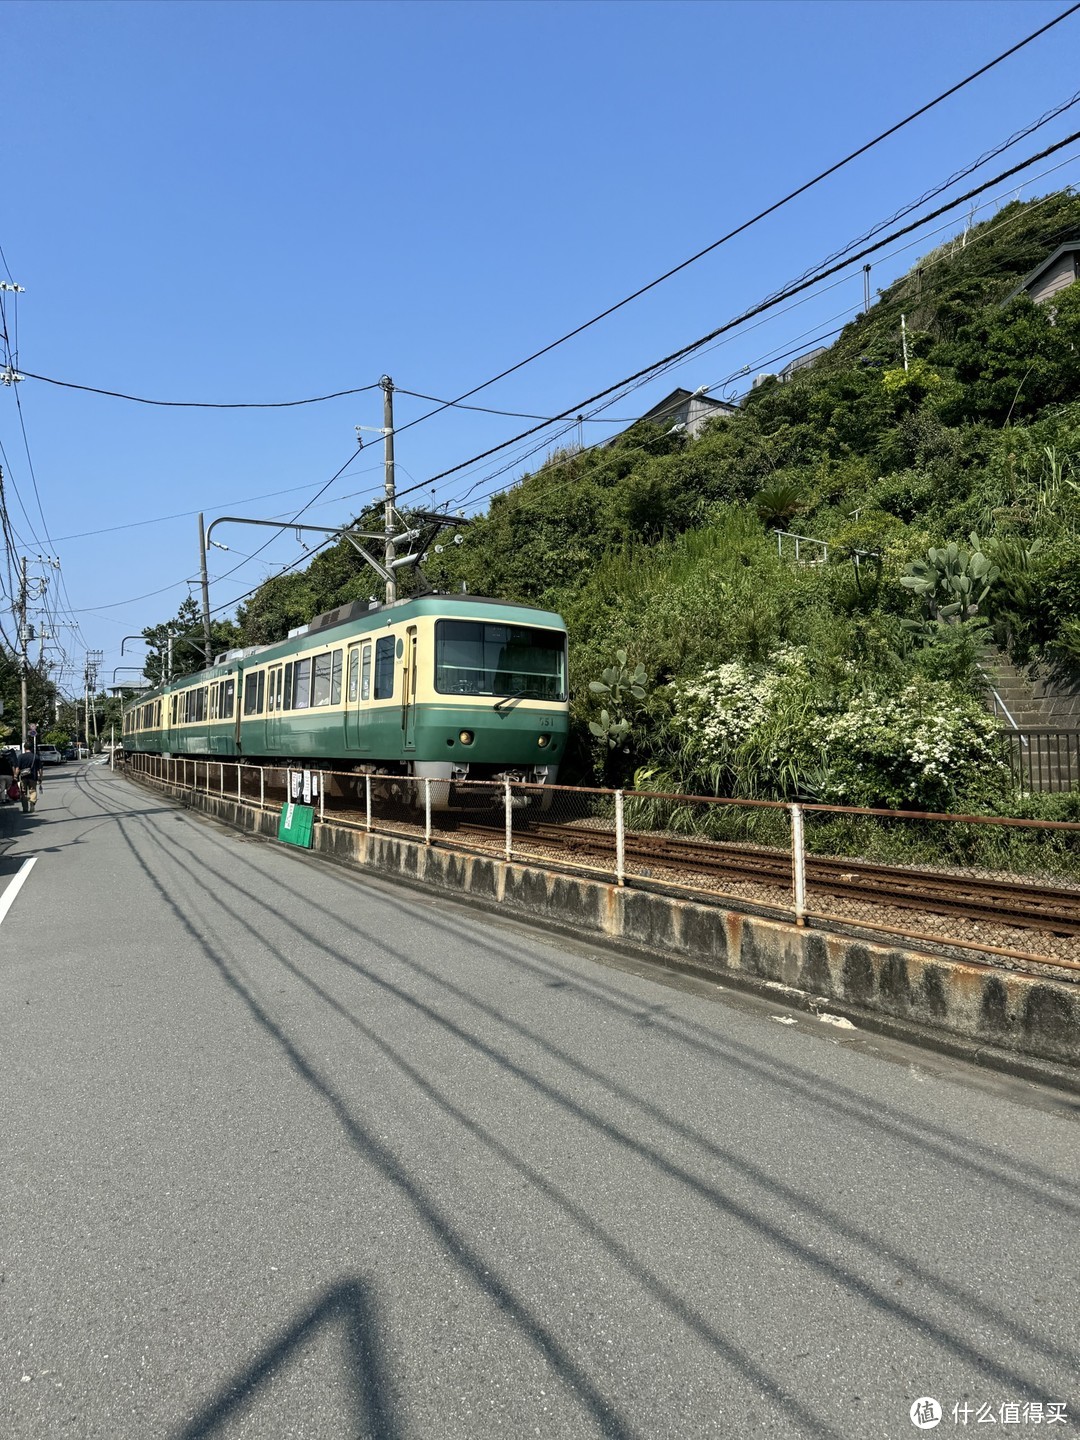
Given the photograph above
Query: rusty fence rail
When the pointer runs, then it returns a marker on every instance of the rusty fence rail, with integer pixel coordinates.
(1008, 889)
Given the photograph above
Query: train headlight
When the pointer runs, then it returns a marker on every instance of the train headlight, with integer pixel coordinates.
(543, 741)
(466, 737)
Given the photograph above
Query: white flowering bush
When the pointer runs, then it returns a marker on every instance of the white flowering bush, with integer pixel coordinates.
(776, 729)
(927, 746)
(722, 708)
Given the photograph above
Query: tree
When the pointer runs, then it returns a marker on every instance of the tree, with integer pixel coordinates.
(185, 628)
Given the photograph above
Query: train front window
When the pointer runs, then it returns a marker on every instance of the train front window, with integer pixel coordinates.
(473, 657)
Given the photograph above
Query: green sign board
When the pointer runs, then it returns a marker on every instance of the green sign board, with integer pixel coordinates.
(295, 824)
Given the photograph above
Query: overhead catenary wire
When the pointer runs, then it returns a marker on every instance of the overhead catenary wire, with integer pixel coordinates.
(570, 412)
(668, 274)
(762, 214)
(1012, 221)
(769, 303)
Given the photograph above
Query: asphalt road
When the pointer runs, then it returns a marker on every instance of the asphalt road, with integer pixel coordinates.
(290, 1152)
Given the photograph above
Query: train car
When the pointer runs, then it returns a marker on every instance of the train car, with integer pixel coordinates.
(445, 687)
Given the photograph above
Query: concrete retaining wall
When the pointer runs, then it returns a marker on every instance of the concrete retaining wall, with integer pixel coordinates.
(1017, 1022)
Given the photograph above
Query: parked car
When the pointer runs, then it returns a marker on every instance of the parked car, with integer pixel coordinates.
(70, 753)
(49, 755)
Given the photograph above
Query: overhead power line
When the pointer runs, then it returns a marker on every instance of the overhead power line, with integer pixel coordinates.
(200, 404)
(781, 295)
(762, 214)
(652, 284)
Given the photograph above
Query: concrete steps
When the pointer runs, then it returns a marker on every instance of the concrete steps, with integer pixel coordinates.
(1047, 763)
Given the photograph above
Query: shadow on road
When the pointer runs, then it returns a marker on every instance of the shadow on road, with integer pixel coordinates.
(351, 1305)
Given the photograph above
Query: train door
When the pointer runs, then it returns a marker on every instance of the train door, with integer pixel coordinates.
(274, 691)
(408, 691)
(357, 696)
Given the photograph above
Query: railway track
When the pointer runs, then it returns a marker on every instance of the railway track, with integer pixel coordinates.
(1053, 910)
(1000, 902)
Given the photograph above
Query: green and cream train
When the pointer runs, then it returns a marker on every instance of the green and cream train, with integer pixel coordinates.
(446, 687)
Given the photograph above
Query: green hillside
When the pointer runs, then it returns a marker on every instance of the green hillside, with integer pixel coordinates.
(855, 679)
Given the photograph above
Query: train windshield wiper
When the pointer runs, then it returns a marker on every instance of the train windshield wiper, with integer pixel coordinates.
(507, 699)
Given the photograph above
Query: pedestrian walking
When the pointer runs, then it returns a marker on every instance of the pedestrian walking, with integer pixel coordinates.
(28, 774)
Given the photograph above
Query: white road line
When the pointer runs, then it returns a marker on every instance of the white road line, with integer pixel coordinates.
(8, 897)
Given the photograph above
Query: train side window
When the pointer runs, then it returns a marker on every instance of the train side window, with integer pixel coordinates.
(228, 699)
(215, 697)
(365, 675)
(262, 692)
(335, 678)
(354, 674)
(320, 683)
(251, 693)
(286, 694)
(384, 667)
(302, 685)
(200, 703)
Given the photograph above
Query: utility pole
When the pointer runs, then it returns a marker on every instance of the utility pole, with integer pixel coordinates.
(389, 548)
(23, 662)
(93, 660)
(903, 337)
(205, 593)
(866, 288)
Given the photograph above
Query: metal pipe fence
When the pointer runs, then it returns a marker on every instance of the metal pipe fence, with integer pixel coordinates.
(1043, 760)
(1005, 888)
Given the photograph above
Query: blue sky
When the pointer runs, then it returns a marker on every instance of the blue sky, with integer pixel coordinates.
(255, 202)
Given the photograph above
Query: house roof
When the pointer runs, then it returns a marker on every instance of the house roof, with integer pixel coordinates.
(1040, 268)
(678, 397)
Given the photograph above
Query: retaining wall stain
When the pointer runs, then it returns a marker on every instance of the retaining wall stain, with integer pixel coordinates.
(751, 957)
(893, 982)
(654, 925)
(1049, 1020)
(814, 973)
(858, 975)
(994, 1010)
(558, 896)
(932, 997)
(704, 935)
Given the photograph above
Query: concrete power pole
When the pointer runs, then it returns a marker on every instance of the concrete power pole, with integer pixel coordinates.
(389, 549)
(93, 660)
(207, 656)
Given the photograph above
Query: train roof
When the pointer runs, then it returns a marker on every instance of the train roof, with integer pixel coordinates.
(345, 618)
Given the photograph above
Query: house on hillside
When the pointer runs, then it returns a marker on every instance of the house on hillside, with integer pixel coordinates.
(801, 362)
(685, 410)
(1057, 272)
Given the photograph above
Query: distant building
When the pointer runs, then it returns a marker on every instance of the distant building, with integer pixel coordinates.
(801, 362)
(1057, 272)
(689, 410)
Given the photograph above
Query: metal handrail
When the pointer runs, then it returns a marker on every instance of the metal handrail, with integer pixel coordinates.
(809, 539)
(999, 702)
